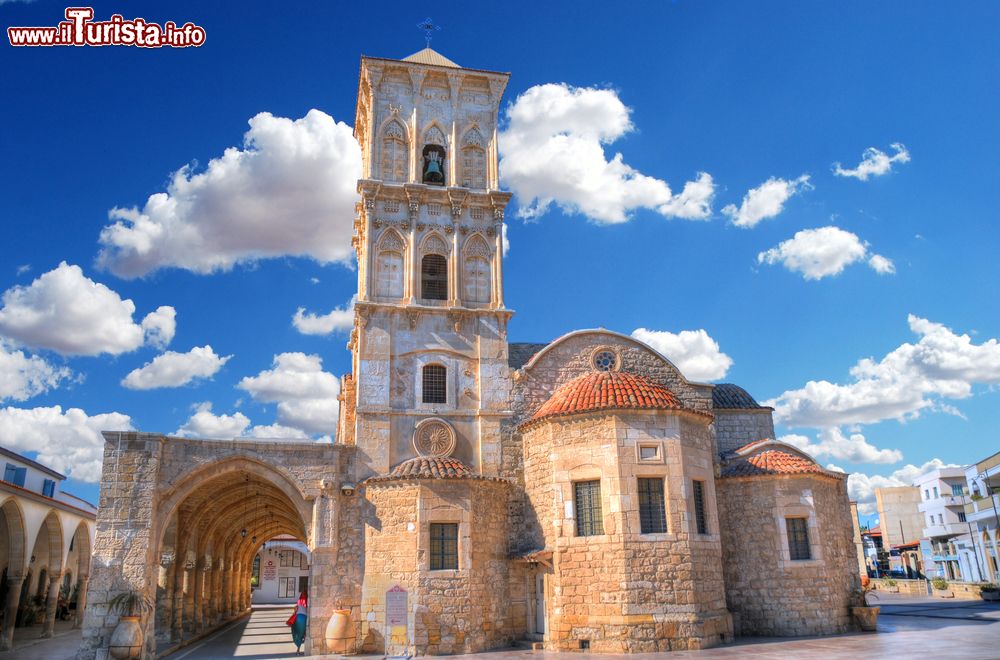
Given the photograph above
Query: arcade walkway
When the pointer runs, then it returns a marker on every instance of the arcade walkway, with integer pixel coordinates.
(262, 635)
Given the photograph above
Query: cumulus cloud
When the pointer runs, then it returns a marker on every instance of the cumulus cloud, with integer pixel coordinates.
(823, 252)
(694, 352)
(832, 443)
(23, 376)
(277, 431)
(206, 424)
(909, 379)
(68, 441)
(875, 162)
(861, 487)
(173, 369)
(553, 153)
(306, 395)
(290, 190)
(67, 312)
(766, 200)
(339, 319)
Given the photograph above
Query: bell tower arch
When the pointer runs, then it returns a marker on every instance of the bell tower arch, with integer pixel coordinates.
(430, 335)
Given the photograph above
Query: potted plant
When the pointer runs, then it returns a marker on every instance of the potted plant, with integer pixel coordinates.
(941, 588)
(865, 614)
(891, 585)
(989, 591)
(126, 640)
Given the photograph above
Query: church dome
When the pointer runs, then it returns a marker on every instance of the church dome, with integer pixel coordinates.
(607, 390)
(733, 397)
(771, 461)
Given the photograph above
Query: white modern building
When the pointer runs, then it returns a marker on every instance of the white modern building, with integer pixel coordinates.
(982, 510)
(942, 504)
(45, 539)
(280, 571)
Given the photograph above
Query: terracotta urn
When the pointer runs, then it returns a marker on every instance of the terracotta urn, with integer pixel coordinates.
(338, 632)
(867, 617)
(126, 640)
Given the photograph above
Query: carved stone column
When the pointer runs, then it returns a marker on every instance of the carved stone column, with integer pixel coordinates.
(10, 611)
(50, 605)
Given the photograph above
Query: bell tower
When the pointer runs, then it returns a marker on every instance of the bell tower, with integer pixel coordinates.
(429, 346)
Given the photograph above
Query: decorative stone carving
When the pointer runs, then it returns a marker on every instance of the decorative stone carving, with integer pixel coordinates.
(370, 203)
(391, 242)
(412, 317)
(166, 558)
(449, 229)
(476, 247)
(434, 245)
(464, 229)
(456, 321)
(498, 213)
(434, 136)
(473, 138)
(434, 437)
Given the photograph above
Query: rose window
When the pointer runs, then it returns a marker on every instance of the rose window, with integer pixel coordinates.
(434, 438)
(605, 361)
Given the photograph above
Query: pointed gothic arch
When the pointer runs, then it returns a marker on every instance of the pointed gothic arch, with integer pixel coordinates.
(395, 150)
(477, 270)
(434, 155)
(390, 265)
(473, 161)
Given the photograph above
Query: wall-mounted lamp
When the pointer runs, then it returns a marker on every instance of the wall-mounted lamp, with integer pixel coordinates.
(347, 489)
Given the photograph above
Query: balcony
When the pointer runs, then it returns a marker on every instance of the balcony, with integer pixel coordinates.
(947, 529)
(942, 501)
(983, 508)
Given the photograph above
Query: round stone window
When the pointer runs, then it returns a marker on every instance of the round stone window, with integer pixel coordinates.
(604, 359)
(434, 437)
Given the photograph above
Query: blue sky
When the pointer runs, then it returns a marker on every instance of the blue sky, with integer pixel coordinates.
(745, 92)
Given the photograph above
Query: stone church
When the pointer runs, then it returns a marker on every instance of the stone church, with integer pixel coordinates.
(580, 493)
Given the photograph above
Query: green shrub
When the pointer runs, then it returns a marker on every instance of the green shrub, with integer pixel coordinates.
(940, 583)
(889, 582)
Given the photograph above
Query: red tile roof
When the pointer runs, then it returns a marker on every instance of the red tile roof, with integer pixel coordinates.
(607, 390)
(431, 467)
(771, 461)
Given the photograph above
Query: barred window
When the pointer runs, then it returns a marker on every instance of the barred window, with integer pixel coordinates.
(652, 513)
(434, 277)
(699, 507)
(435, 378)
(798, 538)
(444, 546)
(589, 521)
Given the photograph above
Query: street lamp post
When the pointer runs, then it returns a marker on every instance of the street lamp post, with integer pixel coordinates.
(985, 476)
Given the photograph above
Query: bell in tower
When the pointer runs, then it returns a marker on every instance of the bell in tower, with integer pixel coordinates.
(434, 165)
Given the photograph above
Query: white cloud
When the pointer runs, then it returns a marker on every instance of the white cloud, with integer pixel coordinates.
(289, 191)
(766, 200)
(173, 369)
(339, 319)
(823, 252)
(861, 487)
(23, 376)
(306, 395)
(66, 312)
(206, 424)
(909, 379)
(875, 162)
(69, 442)
(277, 431)
(832, 443)
(553, 153)
(160, 326)
(694, 352)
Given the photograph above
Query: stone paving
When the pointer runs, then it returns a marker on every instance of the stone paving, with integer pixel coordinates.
(908, 627)
(29, 645)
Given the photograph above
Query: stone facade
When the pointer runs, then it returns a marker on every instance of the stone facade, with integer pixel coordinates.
(446, 425)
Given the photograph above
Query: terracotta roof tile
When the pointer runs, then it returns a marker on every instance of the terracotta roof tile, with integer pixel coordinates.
(431, 467)
(607, 390)
(730, 396)
(771, 461)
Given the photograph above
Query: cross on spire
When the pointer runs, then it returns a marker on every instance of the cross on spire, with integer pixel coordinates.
(429, 28)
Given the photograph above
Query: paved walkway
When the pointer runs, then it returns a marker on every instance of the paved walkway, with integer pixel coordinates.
(29, 646)
(908, 627)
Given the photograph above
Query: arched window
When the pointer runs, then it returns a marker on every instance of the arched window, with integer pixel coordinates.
(395, 154)
(477, 279)
(435, 384)
(389, 266)
(474, 160)
(434, 153)
(434, 277)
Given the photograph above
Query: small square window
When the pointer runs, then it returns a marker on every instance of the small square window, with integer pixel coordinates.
(649, 452)
(444, 546)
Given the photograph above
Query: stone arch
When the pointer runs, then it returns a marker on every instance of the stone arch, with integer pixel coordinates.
(434, 243)
(82, 545)
(394, 144)
(50, 537)
(473, 159)
(477, 270)
(12, 526)
(434, 154)
(390, 265)
(216, 516)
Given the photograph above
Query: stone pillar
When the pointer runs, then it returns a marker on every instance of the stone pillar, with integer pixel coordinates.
(177, 602)
(227, 596)
(10, 611)
(188, 601)
(165, 600)
(198, 597)
(125, 550)
(81, 600)
(50, 605)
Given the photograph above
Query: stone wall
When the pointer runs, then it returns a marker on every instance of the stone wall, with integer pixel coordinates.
(452, 611)
(735, 428)
(768, 593)
(623, 591)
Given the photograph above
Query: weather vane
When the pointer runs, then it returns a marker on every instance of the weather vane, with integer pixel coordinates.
(427, 25)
